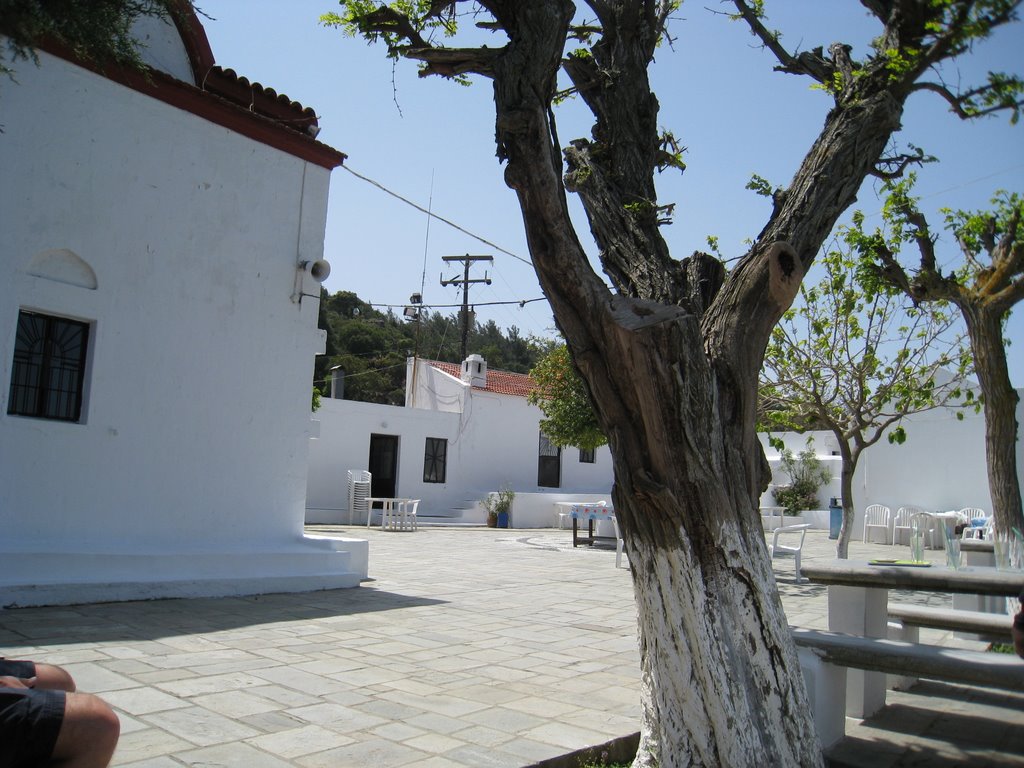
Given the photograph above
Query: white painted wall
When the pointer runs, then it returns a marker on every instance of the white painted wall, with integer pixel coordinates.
(941, 465)
(492, 443)
(193, 443)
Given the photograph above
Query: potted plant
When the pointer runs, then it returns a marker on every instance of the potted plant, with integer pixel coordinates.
(806, 476)
(498, 506)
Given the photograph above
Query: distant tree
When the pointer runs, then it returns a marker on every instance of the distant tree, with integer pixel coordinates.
(371, 346)
(569, 417)
(986, 285)
(849, 358)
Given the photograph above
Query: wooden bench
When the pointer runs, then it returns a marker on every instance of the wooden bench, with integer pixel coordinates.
(992, 627)
(825, 656)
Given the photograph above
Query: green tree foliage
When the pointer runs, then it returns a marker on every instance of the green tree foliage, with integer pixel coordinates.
(98, 31)
(569, 417)
(850, 358)
(372, 346)
(985, 283)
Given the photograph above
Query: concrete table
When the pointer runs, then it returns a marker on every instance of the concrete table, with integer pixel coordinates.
(978, 552)
(858, 604)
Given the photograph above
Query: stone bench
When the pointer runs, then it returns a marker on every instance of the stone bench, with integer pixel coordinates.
(992, 627)
(825, 656)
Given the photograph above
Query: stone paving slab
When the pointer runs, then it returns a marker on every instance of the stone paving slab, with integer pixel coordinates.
(468, 647)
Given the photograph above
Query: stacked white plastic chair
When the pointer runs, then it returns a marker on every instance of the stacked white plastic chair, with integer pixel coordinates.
(358, 492)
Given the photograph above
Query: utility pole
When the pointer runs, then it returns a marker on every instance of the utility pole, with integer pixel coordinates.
(466, 261)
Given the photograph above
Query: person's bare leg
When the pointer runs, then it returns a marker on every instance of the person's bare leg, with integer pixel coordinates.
(88, 733)
(53, 678)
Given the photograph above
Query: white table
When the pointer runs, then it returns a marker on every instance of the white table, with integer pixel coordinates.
(978, 552)
(949, 520)
(393, 515)
(858, 604)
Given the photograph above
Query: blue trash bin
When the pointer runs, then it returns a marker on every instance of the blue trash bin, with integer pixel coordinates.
(503, 519)
(835, 519)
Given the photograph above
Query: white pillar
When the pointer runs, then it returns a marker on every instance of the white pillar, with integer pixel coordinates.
(862, 612)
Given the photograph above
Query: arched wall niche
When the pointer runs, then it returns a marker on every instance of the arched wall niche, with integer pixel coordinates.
(63, 266)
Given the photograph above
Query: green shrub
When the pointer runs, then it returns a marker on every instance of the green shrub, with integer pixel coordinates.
(806, 474)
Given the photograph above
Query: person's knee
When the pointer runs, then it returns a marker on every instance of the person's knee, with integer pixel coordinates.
(54, 678)
(90, 729)
(100, 718)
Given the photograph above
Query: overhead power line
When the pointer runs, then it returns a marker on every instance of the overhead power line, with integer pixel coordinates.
(433, 215)
(520, 302)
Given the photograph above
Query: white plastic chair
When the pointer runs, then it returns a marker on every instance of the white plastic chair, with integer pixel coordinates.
(985, 531)
(618, 543)
(877, 516)
(775, 549)
(967, 517)
(410, 513)
(902, 521)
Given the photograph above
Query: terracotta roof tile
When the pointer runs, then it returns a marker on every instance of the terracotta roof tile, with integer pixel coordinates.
(499, 382)
(260, 99)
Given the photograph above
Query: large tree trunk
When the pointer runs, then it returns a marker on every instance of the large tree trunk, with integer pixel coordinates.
(671, 360)
(985, 330)
(675, 390)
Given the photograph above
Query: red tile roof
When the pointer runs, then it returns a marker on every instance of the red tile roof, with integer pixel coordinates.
(499, 382)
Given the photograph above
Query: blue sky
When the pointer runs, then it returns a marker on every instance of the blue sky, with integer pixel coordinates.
(431, 141)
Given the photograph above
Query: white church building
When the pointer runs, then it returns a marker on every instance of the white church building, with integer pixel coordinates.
(162, 238)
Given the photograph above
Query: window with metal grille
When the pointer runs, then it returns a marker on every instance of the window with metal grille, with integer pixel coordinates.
(435, 460)
(549, 464)
(587, 456)
(48, 372)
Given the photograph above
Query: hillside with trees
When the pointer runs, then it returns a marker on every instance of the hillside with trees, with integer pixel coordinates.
(371, 346)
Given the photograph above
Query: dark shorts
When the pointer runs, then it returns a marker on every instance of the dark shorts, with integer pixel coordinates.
(29, 719)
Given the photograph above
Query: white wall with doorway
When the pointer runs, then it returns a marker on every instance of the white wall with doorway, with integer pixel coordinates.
(492, 443)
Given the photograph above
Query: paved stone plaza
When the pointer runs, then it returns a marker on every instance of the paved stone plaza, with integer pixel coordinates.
(469, 647)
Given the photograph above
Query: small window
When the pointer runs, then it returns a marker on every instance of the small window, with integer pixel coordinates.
(48, 372)
(587, 455)
(435, 460)
(549, 464)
